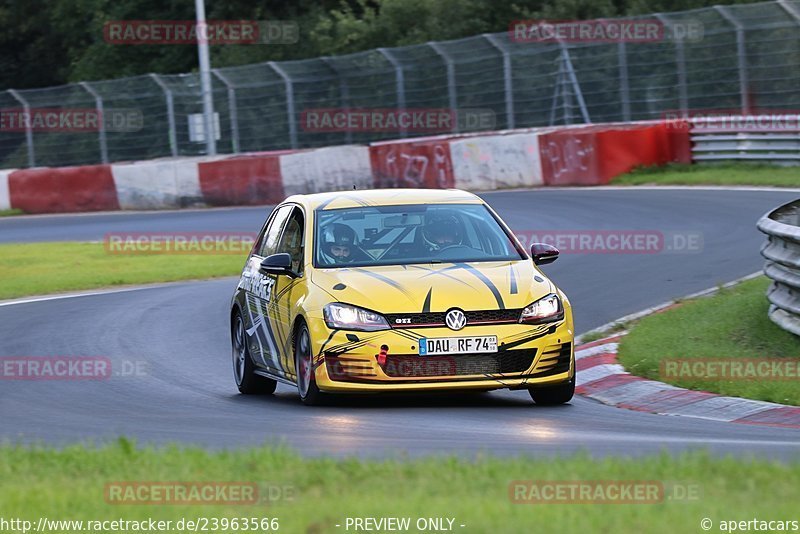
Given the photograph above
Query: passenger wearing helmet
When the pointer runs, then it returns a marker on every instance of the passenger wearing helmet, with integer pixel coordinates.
(442, 230)
(339, 245)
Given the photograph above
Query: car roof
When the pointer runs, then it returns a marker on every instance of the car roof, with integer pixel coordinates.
(384, 197)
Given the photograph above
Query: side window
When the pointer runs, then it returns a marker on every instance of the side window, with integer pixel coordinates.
(292, 240)
(270, 240)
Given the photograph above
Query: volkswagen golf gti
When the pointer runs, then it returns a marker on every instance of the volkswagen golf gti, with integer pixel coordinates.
(398, 290)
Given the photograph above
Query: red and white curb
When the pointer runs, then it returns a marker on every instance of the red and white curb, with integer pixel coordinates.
(602, 378)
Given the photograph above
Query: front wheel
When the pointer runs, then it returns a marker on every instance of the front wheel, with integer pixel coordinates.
(304, 365)
(553, 395)
(248, 382)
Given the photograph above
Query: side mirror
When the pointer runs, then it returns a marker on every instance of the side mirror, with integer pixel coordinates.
(278, 264)
(542, 253)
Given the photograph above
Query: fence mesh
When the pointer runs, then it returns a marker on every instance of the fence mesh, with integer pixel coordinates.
(747, 57)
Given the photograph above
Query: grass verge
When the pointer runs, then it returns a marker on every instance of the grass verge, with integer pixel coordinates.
(713, 174)
(9, 213)
(316, 494)
(732, 324)
(42, 268)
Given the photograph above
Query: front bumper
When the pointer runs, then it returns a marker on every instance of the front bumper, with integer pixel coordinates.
(528, 355)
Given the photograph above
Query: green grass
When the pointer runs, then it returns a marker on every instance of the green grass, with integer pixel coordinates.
(42, 268)
(731, 324)
(8, 213)
(70, 484)
(713, 174)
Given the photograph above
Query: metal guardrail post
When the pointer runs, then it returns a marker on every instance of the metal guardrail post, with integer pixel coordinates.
(451, 79)
(625, 91)
(291, 116)
(173, 134)
(741, 52)
(570, 72)
(790, 9)
(26, 108)
(231, 110)
(680, 66)
(399, 80)
(344, 91)
(782, 252)
(98, 102)
(507, 78)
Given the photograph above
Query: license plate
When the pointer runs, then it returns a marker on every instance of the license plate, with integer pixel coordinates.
(457, 345)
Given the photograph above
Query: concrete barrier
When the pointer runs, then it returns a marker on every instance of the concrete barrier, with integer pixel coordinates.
(157, 184)
(567, 155)
(63, 189)
(5, 201)
(496, 161)
(327, 169)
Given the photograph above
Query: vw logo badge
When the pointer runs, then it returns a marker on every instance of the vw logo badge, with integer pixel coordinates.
(455, 319)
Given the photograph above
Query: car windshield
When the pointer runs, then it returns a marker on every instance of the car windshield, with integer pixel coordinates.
(401, 235)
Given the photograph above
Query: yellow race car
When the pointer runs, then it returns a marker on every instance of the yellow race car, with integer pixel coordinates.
(398, 290)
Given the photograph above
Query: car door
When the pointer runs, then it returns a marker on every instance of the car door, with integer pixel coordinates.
(289, 292)
(259, 289)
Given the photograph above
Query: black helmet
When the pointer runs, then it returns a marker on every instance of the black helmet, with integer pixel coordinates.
(337, 235)
(442, 230)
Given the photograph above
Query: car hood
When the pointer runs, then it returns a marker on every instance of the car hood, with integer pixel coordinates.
(436, 287)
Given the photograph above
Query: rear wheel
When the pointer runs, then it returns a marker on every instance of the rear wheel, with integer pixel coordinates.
(553, 395)
(247, 381)
(304, 364)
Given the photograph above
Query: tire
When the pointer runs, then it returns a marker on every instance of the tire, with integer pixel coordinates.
(553, 395)
(247, 381)
(303, 362)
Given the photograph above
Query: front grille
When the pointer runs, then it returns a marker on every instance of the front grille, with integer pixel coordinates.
(343, 368)
(436, 319)
(555, 360)
(413, 366)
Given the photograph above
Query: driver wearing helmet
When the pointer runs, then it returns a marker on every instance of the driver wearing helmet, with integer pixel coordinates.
(339, 245)
(442, 230)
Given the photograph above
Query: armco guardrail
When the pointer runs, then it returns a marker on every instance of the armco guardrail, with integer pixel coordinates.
(782, 252)
(771, 137)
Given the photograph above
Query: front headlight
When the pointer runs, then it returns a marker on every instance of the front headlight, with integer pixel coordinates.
(345, 317)
(547, 309)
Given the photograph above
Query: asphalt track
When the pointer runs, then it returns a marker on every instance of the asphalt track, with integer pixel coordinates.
(178, 335)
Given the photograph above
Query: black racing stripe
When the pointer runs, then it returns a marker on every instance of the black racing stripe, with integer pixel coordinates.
(407, 335)
(522, 341)
(441, 272)
(513, 289)
(488, 283)
(426, 307)
(322, 349)
(385, 280)
(350, 345)
(536, 330)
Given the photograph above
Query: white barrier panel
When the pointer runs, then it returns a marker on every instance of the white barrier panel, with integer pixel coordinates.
(157, 184)
(496, 161)
(5, 199)
(326, 169)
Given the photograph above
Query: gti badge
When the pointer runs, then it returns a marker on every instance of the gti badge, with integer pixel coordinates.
(455, 319)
